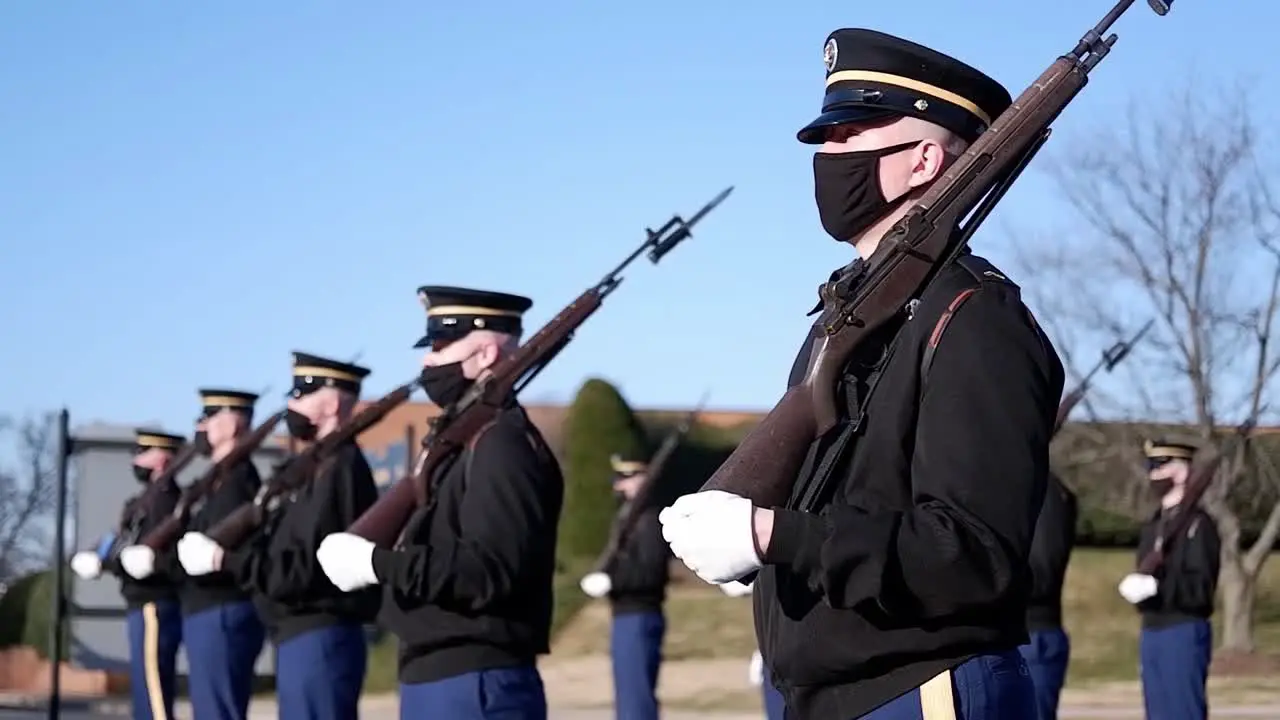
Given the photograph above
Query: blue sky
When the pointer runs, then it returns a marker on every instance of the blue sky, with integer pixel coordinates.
(189, 191)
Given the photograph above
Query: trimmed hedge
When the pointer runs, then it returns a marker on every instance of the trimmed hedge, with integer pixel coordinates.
(599, 423)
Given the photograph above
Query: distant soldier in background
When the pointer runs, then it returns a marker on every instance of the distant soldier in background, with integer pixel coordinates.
(637, 589)
(220, 627)
(321, 653)
(775, 706)
(154, 620)
(1176, 641)
(468, 589)
(1048, 650)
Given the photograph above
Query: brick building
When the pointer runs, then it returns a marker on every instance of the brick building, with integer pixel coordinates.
(387, 444)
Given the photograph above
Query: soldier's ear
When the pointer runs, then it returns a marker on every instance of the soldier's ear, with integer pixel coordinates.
(930, 160)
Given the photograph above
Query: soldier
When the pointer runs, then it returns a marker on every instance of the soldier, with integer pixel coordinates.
(1048, 650)
(220, 627)
(895, 578)
(317, 629)
(1176, 603)
(774, 705)
(637, 588)
(468, 587)
(154, 620)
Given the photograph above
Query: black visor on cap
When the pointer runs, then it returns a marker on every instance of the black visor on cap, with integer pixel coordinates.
(815, 133)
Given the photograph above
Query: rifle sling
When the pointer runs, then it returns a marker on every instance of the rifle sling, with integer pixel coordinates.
(830, 454)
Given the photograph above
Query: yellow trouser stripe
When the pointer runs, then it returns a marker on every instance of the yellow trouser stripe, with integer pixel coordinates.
(936, 699)
(151, 660)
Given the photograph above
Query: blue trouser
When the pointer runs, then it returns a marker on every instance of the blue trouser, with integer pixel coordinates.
(775, 707)
(635, 645)
(1175, 667)
(1047, 655)
(988, 687)
(223, 643)
(155, 632)
(513, 693)
(319, 674)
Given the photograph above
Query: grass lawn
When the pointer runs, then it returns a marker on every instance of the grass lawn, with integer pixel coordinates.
(703, 624)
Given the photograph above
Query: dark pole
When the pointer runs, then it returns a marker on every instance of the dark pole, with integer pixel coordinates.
(59, 549)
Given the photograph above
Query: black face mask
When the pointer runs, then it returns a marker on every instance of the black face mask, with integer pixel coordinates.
(1160, 488)
(142, 474)
(444, 384)
(847, 189)
(300, 426)
(202, 443)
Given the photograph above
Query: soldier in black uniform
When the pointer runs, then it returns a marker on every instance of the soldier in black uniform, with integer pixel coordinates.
(321, 654)
(1048, 650)
(154, 621)
(1176, 641)
(220, 627)
(468, 588)
(637, 588)
(894, 581)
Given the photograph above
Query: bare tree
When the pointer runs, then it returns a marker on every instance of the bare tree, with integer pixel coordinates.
(1180, 221)
(27, 497)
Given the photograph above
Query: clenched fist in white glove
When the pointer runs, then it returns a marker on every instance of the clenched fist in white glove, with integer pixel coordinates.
(755, 671)
(139, 561)
(1136, 587)
(86, 565)
(736, 589)
(713, 533)
(199, 554)
(596, 584)
(347, 560)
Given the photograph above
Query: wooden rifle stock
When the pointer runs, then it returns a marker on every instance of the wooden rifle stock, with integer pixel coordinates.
(1198, 482)
(625, 521)
(765, 465)
(461, 422)
(164, 534)
(233, 529)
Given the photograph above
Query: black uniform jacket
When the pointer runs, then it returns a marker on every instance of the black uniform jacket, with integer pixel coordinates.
(279, 565)
(469, 586)
(237, 486)
(136, 523)
(1188, 579)
(641, 568)
(916, 558)
(1051, 546)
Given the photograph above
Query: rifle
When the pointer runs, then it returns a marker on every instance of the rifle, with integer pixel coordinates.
(450, 431)
(630, 511)
(299, 470)
(1198, 482)
(766, 464)
(1110, 358)
(135, 511)
(163, 535)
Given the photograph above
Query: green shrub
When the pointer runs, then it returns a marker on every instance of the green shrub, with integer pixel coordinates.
(599, 423)
(1102, 528)
(13, 610)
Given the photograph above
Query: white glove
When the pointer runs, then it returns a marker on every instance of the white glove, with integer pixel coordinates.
(712, 533)
(139, 561)
(199, 554)
(596, 584)
(755, 671)
(736, 589)
(86, 565)
(1136, 587)
(347, 560)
